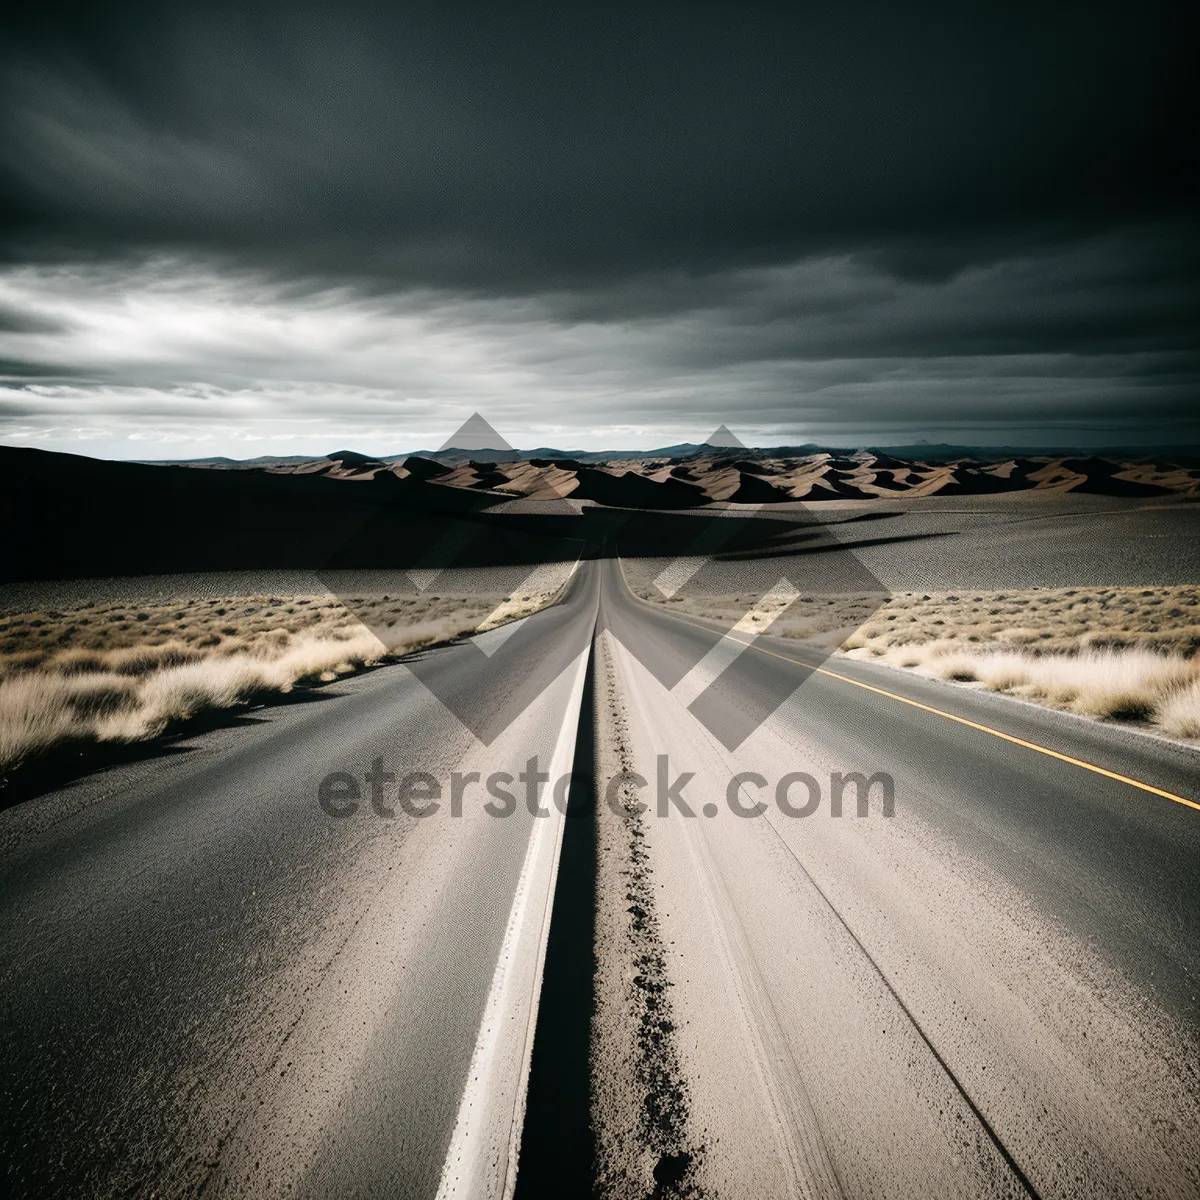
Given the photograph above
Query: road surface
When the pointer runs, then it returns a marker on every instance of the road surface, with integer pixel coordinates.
(212, 985)
(993, 991)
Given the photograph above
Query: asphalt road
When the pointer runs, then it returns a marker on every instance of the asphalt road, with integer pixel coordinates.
(212, 985)
(993, 991)
(209, 983)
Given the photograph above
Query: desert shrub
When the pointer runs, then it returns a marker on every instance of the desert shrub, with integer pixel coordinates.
(1180, 713)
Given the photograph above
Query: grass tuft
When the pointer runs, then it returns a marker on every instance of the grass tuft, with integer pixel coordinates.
(120, 674)
(1115, 653)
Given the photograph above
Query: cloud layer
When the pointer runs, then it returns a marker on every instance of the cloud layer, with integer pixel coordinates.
(248, 230)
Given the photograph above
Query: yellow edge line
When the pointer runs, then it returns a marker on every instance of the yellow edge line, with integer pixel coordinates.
(1008, 737)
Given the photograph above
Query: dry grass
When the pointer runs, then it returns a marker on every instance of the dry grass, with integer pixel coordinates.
(1110, 684)
(1180, 715)
(116, 673)
(1111, 653)
(1041, 620)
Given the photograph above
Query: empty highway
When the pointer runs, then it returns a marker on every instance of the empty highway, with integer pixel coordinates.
(213, 984)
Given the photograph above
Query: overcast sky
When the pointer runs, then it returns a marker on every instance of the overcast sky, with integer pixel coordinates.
(246, 231)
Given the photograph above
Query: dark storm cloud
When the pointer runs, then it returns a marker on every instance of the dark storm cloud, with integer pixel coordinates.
(711, 192)
(498, 143)
(13, 320)
(1125, 291)
(18, 368)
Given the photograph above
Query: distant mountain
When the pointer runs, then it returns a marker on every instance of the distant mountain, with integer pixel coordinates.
(683, 452)
(264, 460)
(68, 516)
(688, 476)
(458, 454)
(943, 452)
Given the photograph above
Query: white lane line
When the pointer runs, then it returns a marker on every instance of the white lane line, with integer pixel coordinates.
(482, 1157)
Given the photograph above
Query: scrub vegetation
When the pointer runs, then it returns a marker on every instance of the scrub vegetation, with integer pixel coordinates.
(1116, 653)
(120, 673)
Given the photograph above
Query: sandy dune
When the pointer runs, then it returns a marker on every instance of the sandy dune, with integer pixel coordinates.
(758, 478)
